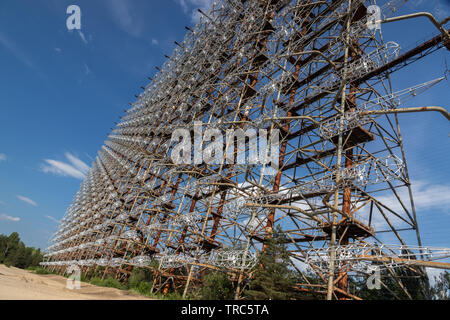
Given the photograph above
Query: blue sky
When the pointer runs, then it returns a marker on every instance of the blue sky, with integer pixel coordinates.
(62, 91)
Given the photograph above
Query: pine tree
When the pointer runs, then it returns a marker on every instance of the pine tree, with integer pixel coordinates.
(273, 280)
(391, 289)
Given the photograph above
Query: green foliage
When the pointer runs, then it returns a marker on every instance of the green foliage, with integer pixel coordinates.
(273, 279)
(96, 281)
(144, 288)
(39, 270)
(140, 280)
(139, 275)
(108, 282)
(216, 286)
(13, 252)
(113, 283)
(391, 290)
(84, 278)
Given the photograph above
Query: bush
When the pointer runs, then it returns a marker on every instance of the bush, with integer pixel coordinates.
(216, 286)
(96, 281)
(113, 283)
(138, 276)
(141, 281)
(108, 282)
(144, 288)
(39, 270)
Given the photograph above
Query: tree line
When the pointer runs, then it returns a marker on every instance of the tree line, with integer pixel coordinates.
(13, 252)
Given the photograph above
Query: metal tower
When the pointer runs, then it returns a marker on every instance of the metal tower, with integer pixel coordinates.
(315, 72)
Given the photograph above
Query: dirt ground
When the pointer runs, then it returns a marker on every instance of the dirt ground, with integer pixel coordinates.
(18, 284)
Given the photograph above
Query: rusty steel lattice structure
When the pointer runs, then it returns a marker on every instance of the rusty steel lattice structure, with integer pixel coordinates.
(319, 74)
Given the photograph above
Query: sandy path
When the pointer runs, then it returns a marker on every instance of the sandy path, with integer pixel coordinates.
(18, 284)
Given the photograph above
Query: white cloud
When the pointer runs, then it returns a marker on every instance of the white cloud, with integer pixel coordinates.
(53, 219)
(183, 5)
(57, 50)
(61, 168)
(80, 165)
(83, 38)
(428, 198)
(76, 169)
(2, 157)
(190, 7)
(20, 55)
(426, 195)
(155, 42)
(121, 11)
(9, 218)
(87, 70)
(27, 200)
(12, 47)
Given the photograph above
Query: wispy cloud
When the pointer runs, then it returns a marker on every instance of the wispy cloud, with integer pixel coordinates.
(83, 38)
(57, 50)
(62, 169)
(428, 197)
(190, 7)
(126, 18)
(12, 47)
(87, 70)
(27, 200)
(155, 42)
(75, 169)
(183, 5)
(2, 157)
(53, 219)
(80, 165)
(9, 218)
